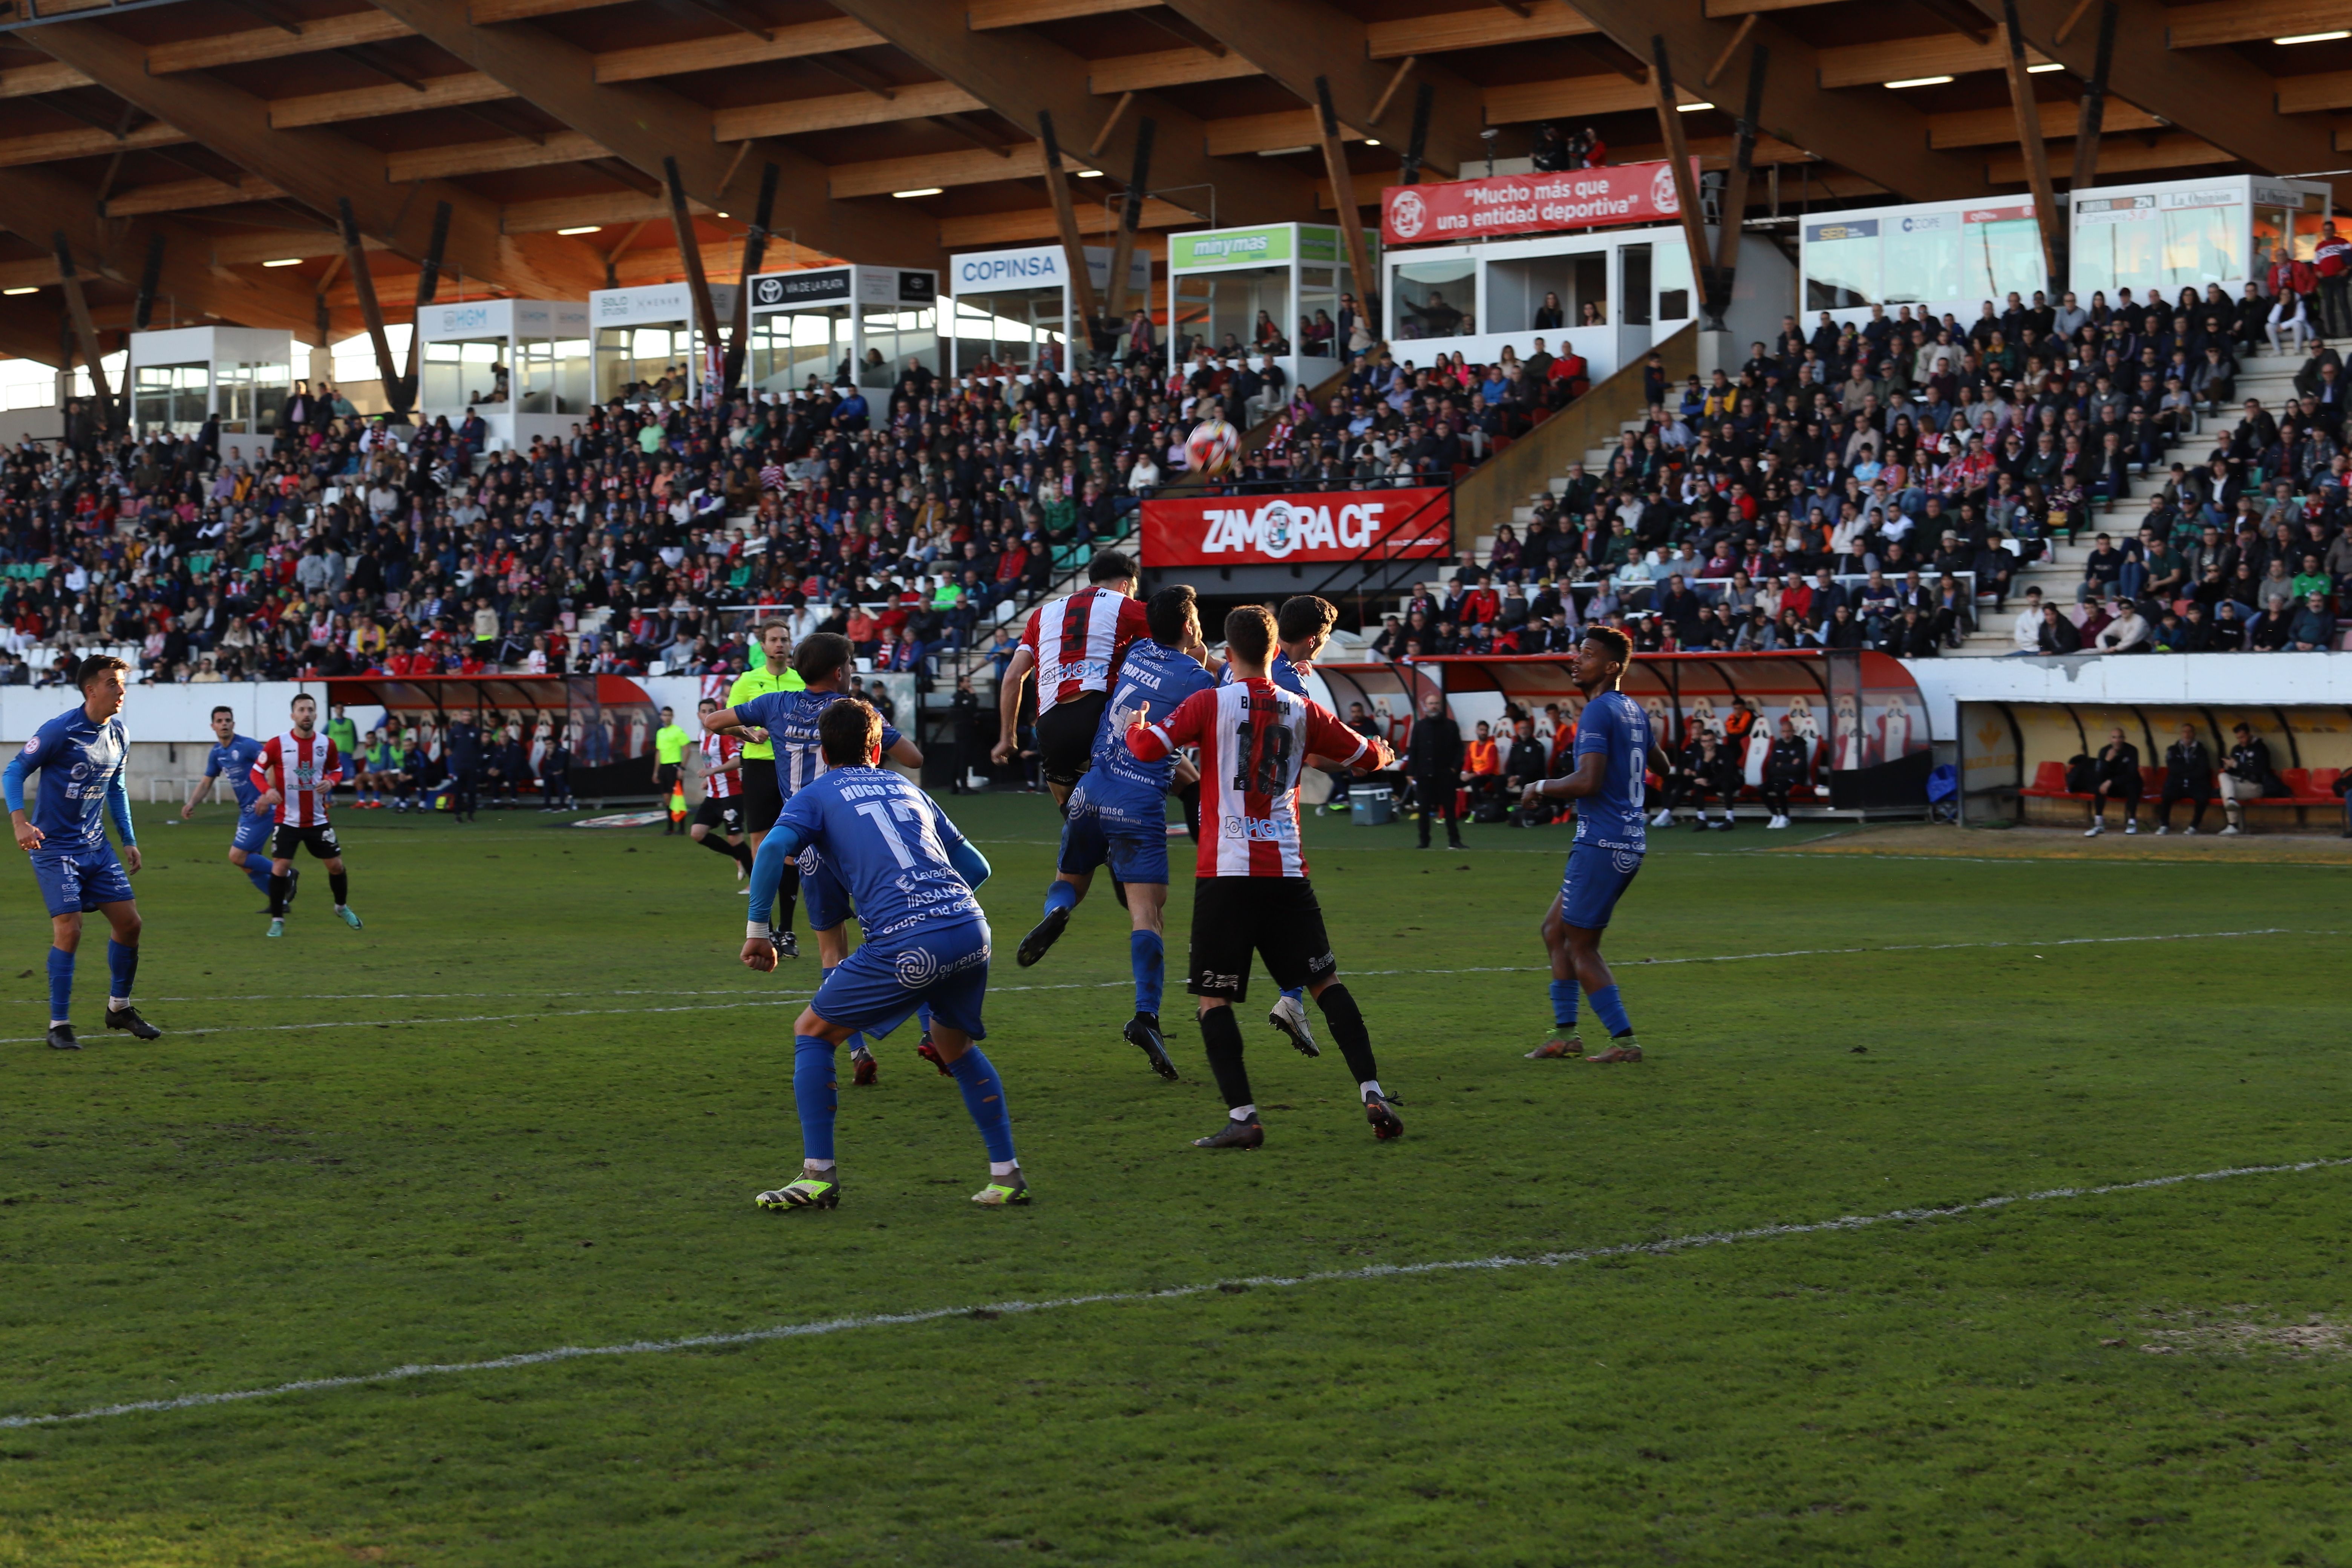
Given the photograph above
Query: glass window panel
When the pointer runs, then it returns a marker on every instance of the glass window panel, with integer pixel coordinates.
(1433, 298)
(1670, 272)
(1922, 260)
(2001, 258)
(2204, 245)
(1843, 273)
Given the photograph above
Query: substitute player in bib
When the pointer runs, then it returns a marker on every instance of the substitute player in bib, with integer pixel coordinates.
(232, 757)
(719, 820)
(295, 772)
(1118, 813)
(1613, 749)
(81, 755)
(790, 720)
(1074, 645)
(926, 945)
(1251, 893)
(1301, 629)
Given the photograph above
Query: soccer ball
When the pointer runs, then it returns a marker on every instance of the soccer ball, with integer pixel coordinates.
(1210, 449)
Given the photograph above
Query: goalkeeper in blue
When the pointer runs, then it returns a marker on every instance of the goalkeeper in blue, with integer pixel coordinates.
(912, 875)
(1118, 813)
(81, 755)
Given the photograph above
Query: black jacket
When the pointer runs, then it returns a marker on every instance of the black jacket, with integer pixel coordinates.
(2120, 770)
(1526, 762)
(2191, 765)
(1435, 750)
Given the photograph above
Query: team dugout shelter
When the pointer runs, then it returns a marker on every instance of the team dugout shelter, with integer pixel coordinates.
(607, 720)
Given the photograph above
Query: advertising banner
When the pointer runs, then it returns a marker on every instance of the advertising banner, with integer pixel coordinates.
(1530, 203)
(1331, 525)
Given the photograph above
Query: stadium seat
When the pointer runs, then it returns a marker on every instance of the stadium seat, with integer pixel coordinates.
(2048, 783)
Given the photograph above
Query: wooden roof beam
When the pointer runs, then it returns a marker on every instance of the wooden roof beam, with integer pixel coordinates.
(1475, 29)
(1902, 60)
(314, 166)
(2218, 22)
(644, 124)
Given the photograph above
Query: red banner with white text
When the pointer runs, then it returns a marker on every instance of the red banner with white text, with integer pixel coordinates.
(1531, 204)
(1329, 525)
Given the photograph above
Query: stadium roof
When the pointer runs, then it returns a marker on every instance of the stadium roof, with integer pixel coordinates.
(226, 130)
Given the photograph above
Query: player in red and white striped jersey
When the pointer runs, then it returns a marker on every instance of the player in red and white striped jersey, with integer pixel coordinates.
(723, 793)
(1075, 645)
(296, 774)
(1252, 895)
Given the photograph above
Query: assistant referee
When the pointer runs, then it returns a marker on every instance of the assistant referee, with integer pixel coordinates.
(764, 798)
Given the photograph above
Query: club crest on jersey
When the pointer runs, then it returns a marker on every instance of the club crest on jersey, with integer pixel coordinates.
(1625, 860)
(32, 745)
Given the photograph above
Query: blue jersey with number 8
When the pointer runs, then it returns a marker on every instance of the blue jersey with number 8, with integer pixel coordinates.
(1613, 725)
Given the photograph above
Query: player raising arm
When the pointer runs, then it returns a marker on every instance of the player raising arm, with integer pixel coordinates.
(1251, 892)
(1613, 748)
(912, 875)
(81, 755)
(1075, 645)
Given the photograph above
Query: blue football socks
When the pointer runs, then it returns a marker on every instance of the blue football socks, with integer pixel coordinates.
(61, 965)
(983, 1096)
(1146, 954)
(814, 1095)
(121, 969)
(1061, 896)
(1609, 1008)
(1563, 1004)
(258, 873)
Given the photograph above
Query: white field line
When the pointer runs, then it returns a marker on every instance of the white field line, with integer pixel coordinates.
(1665, 1247)
(1073, 986)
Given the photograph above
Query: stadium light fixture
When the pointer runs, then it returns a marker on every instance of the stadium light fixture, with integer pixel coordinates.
(1920, 81)
(2045, 68)
(1691, 107)
(2315, 38)
(925, 191)
(1090, 173)
(289, 261)
(584, 229)
(1371, 141)
(12, 293)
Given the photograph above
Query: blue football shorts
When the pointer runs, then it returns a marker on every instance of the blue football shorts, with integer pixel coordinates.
(1595, 881)
(1107, 828)
(879, 987)
(253, 832)
(74, 881)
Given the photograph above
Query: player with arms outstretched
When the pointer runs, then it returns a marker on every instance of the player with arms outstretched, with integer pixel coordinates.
(1252, 894)
(1119, 814)
(913, 874)
(791, 719)
(81, 755)
(296, 774)
(1075, 645)
(1613, 750)
(232, 757)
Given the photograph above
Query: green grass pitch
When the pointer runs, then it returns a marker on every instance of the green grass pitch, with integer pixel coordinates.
(528, 1105)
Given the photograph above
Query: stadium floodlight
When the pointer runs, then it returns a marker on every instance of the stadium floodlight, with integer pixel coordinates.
(1920, 81)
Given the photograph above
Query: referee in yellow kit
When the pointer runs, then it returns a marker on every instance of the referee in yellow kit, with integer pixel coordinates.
(764, 798)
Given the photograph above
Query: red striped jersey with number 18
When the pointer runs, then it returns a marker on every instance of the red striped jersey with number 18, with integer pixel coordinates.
(718, 750)
(1254, 738)
(1078, 642)
(304, 771)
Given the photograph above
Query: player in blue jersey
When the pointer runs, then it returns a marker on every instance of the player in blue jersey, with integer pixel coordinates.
(926, 944)
(1301, 629)
(233, 755)
(81, 755)
(1119, 812)
(1614, 750)
(791, 719)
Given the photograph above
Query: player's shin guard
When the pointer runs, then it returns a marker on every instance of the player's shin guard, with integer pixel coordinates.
(1146, 954)
(1347, 1021)
(61, 968)
(280, 887)
(814, 1095)
(258, 873)
(1609, 1008)
(1061, 896)
(121, 969)
(1563, 1004)
(1220, 1041)
(340, 884)
(983, 1096)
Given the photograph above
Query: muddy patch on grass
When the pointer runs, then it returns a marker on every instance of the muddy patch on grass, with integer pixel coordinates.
(2245, 1330)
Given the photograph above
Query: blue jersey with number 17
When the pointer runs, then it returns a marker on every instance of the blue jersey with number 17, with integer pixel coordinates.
(1613, 725)
(889, 842)
(1162, 677)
